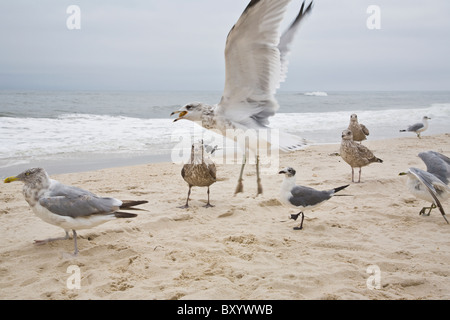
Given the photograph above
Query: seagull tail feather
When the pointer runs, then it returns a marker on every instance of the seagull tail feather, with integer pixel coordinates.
(120, 214)
(129, 204)
(340, 188)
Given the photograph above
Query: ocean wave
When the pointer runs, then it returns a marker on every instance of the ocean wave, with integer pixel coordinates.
(34, 138)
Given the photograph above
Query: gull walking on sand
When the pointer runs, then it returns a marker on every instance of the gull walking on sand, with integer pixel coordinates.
(69, 207)
(255, 65)
(430, 185)
(419, 127)
(355, 154)
(301, 197)
(360, 131)
(200, 171)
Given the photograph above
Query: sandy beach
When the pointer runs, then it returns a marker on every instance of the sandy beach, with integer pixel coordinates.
(369, 244)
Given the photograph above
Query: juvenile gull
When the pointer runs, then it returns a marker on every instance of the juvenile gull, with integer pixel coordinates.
(360, 131)
(418, 127)
(255, 65)
(430, 185)
(69, 207)
(301, 197)
(355, 154)
(200, 171)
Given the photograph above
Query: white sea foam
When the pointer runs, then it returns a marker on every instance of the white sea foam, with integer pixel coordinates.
(31, 139)
(316, 93)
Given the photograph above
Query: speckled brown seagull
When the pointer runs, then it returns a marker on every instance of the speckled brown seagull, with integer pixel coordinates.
(200, 171)
(355, 154)
(69, 207)
(360, 131)
(255, 65)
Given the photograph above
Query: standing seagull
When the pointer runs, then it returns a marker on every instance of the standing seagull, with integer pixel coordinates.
(418, 127)
(360, 131)
(355, 154)
(199, 172)
(256, 63)
(430, 185)
(69, 207)
(301, 197)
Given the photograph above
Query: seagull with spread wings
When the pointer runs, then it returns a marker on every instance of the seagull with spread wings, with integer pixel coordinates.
(430, 185)
(256, 64)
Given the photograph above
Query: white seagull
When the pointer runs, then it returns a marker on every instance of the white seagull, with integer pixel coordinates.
(430, 185)
(418, 127)
(302, 197)
(256, 64)
(69, 207)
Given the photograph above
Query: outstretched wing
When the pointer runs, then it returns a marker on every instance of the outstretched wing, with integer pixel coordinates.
(430, 181)
(437, 164)
(287, 38)
(253, 64)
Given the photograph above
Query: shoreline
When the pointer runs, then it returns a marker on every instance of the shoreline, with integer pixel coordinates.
(98, 161)
(244, 247)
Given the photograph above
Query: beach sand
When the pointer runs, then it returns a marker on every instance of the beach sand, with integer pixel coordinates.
(369, 244)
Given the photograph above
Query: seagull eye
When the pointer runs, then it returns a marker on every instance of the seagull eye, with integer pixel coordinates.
(27, 173)
(188, 107)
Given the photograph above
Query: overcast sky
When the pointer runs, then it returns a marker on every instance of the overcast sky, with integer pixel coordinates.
(179, 45)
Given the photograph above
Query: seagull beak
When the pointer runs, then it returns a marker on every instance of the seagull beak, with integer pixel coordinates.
(11, 179)
(282, 171)
(181, 115)
(402, 174)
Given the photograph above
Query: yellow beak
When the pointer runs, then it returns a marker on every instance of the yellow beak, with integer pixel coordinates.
(180, 116)
(11, 179)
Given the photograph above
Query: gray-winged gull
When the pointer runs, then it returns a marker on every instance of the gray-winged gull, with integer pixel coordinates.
(355, 154)
(419, 127)
(255, 65)
(302, 197)
(360, 131)
(69, 207)
(430, 185)
(200, 171)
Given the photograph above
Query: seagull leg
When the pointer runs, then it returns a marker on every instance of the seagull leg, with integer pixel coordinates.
(258, 179)
(353, 175)
(40, 242)
(187, 199)
(208, 205)
(240, 186)
(422, 211)
(300, 227)
(359, 177)
(75, 242)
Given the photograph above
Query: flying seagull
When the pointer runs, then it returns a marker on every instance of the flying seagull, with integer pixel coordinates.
(355, 154)
(200, 171)
(430, 185)
(256, 64)
(360, 131)
(301, 197)
(69, 207)
(418, 128)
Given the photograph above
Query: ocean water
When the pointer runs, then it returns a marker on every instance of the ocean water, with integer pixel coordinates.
(78, 131)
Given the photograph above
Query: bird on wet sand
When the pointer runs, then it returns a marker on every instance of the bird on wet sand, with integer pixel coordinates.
(255, 65)
(431, 185)
(69, 207)
(360, 131)
(419, 127)
(301, 197)
(355, 154)
(200, 171)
